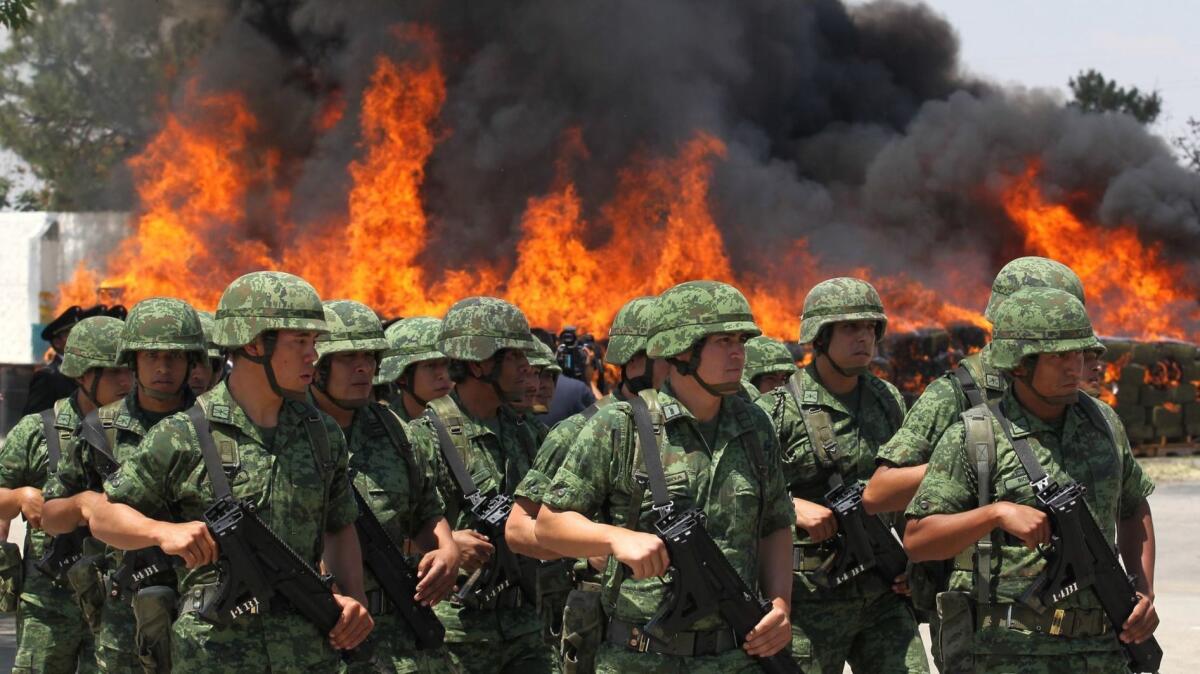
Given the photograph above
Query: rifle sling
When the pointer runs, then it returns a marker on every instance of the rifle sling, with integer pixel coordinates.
(1033, 469)
(53, 442)
(208, 449)
(651, 455)
(95, 436)
(450, 452)
(969, 386)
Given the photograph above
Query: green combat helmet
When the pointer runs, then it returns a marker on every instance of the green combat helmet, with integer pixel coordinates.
(839, 300)
(1038, 320)
(541, 356)
(263, 302)
(689, 312)
(477, 328)
(161, 324)
(631, 329)
(208, 324)
(1032, 272)
(352, 327)
(410, 341)
(551, 359)
(766, 356)
(93, 342)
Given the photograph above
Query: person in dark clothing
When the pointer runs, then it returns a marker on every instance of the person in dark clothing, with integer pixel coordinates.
(48, 384)
(571, 397)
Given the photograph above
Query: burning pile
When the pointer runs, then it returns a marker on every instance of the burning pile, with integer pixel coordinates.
(1153, 387)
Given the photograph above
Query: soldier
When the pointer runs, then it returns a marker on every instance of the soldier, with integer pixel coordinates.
(413, 367)
(547, 379)
(540, 358)
(769, 364)
(52, 634)
(391, 466)
(866, 620)
(487, 340)
(901, 461)
(206, 372)
(161, 340)
(1092, 381)
(718, 454)
(976, 503)
(280, 454)
(626, 350)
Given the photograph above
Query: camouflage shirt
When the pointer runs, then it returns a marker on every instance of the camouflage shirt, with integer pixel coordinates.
(938, 408)
(603, 476)
(1076, 451)
(860, 432)
(552, 452)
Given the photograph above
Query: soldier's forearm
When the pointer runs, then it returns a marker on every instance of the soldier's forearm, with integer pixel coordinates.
(520, 533)
(1135, 540)
(775, 565)
(570, 534)
(891, 488)
(935, 537)
(343, 558)
(124, 527)
(64, 515)
(10, 502)
(435, 535)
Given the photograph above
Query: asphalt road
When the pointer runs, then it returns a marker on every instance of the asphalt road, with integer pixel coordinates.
(1176, 507)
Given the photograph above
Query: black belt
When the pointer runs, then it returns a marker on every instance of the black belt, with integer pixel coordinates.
(685, 644)
(1067, 623)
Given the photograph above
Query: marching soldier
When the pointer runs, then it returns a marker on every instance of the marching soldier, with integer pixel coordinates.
(412, 368)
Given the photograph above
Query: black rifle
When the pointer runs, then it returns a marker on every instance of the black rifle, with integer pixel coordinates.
(506, 569)
(386, 561)
(61, 552)
(139, 566)
(863, 541)
(256, 565)
(1080, 557)
(704, 582)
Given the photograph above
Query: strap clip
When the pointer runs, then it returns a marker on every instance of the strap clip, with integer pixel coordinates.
(1056, 624)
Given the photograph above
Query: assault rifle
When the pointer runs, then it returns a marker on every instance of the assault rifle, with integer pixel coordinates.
(506, 568)
(61, 552)
(138, 566)
(386, 561)
(863, 541)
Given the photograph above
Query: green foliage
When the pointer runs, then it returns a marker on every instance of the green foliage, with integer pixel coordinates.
(81, 88)
(15, 13)
(1095, 93)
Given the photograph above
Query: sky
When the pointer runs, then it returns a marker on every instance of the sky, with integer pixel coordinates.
(1150, 44)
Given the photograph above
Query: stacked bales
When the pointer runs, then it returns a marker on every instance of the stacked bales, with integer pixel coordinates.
(1153, 387)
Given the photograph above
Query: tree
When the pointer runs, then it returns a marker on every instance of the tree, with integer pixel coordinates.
(1189, 144)
(1094, 92)
(15, 13)
(81, 87)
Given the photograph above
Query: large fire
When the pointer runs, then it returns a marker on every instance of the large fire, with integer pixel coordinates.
(198, 226)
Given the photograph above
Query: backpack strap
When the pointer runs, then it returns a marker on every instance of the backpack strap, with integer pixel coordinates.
(818, 425)
(1091, 407)
(390, 425)
(981, 447)
(53, 439)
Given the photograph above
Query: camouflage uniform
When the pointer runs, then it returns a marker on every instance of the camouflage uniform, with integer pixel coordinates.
(603, 477)
(499, 453)
(52, 635)
(410, 341)
(862, 621)
(398, 484)
(297, 496)
(766, 356)
(1077, 450)
(152, 324)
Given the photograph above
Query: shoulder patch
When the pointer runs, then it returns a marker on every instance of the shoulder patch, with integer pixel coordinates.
(123, 420)
(992, 381)
(810, 397)
(672, 411)
(220, 412)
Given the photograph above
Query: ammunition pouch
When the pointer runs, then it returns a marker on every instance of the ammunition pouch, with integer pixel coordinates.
(555, 581)
(926, 580)
(956, 610)
(154, 611)
(582, 629)
(89, 584)
(12, 576)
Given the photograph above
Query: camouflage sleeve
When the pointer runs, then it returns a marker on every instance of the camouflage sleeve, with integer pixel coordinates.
(935, 411)
(549, 457)
(429, 503)
(16, 468)
(592, 463)
(148, 480)
(778, 511)
(949, 484)
(1136, 485)
(342, 508)
(71, 476)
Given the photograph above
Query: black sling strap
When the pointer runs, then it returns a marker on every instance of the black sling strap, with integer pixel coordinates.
(652, 456)
(589, 411)
(969, 386)
(93, 433)
(53, 444)
(208, 449)
(1033, 469)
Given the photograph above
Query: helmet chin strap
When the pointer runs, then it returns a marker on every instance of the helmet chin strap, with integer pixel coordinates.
(406, 385)
(180, 395)
(1065, 399)
(94, 389)
(691, 368)
(320, 383)
(640, 383)
(269, 338)
(848, 372)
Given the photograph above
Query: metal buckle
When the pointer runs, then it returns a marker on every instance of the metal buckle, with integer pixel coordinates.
(1008, 618)
(663, 511)
(1056, 624)
(639, 640)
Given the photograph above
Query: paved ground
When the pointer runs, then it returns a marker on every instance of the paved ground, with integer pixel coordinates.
(1177, 518)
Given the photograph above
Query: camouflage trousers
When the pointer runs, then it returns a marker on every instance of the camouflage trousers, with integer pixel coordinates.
(116, 649)
(392, 649)
(279, 640)
(526, 653)
(51, 633)
(1092, 663)
(614, 659)
(873, 634)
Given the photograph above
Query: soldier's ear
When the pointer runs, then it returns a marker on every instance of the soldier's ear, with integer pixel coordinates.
(255, 348)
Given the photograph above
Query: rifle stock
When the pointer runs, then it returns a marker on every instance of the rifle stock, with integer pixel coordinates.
(864, 543)
(61, 552)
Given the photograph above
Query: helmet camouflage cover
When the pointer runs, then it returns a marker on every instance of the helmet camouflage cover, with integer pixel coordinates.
(207, 323)
(161, 324)
(840, 300)
(266, 300)
(352, 327)
(93, 342)
(410, 341)
(765, 356)
(1032, 272)
(1035, 320)
(475, 328)
(630, 330)
(691, 311)
(542, 357)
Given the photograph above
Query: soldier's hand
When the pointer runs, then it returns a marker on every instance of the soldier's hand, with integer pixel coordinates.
(900, 586)
(353, 626)
(816, 519)
(644, 554)
(598, 563)
(437, 571)
(189, 540)
(31, 506)
(772, 634)
(1142, 622)
(1028, 524)
(473, 547)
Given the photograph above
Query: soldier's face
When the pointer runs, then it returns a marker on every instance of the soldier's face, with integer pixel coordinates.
(852, 343)
(204, 375)
(547, 381)
(350, 375)
(770, 381)
(162, 371)
(514, 374)
(294, 358)
(431, 379)
(114, 383)
(1093, 373)
(1057, 374)
(722, 358)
